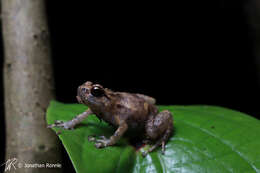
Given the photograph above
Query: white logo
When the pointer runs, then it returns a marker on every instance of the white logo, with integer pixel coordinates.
(20, 165)
(9, 164)
(13, 164)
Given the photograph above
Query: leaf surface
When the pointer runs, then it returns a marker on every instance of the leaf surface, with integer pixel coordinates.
(205, 139)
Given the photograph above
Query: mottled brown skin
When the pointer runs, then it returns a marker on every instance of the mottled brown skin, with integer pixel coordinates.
(125, 111)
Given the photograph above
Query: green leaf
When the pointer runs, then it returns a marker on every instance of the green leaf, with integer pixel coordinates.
(206, 139)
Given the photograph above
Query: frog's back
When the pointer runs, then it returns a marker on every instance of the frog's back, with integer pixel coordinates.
(134, 109)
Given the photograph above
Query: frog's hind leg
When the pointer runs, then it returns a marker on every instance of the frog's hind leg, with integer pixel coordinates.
(161, 141)
(159, 128)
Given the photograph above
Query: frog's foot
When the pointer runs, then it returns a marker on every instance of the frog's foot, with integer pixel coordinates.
(101, 141)
(161, 142)
(154, 147)
(68, 125)
(95, 138)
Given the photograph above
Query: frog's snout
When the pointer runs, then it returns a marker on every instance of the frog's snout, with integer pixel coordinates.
(82, 93)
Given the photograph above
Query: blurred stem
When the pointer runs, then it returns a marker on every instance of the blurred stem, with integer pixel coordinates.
(28, 84)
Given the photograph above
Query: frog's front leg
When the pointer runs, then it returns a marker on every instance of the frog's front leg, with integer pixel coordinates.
(72, 123)
(104, 142)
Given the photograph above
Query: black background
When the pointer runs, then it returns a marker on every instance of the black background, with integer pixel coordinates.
(190, 52)
(179, 53)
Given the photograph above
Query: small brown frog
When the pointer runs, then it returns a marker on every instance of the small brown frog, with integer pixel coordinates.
(124, 111)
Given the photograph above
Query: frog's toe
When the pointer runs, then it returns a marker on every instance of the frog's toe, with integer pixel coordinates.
(102, 137)
(92, 138)
(58, 122)
(163, 147)
(101, 143)
(55, 124)
(95, 138)
(65, 125)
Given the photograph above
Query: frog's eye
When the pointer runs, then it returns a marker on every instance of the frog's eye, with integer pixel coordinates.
(97, 91)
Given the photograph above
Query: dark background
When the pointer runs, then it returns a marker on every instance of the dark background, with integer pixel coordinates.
(179, 53)
(183, 53)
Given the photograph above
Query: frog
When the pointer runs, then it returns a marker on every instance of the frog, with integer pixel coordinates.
(125, 111)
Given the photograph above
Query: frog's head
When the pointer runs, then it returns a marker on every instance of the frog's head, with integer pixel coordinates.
(92, 95)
